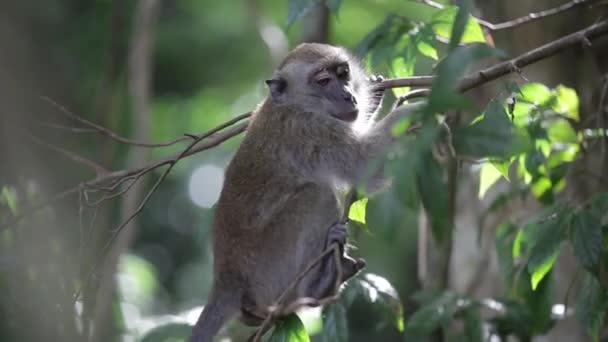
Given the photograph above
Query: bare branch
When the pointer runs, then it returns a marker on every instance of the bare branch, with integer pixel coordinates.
(530, 17)
(111, 134)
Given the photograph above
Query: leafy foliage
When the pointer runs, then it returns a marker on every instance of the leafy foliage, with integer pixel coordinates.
(289, 329)
(527, 137)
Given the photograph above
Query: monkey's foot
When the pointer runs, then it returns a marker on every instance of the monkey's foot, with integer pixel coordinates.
(337, 234)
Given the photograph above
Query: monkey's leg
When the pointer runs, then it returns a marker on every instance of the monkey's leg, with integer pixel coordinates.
(329, 271)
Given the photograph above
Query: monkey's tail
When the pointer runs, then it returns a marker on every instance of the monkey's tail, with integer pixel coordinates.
(221, 306)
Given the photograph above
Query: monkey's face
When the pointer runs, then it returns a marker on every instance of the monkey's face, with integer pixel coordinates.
(322, 86)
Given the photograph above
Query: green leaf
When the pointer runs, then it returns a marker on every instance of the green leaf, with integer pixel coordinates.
(438, 313)
(289, 329)
(505, 234)
(492, 136)
(502, 166)
(296, 9)
(443, 92)
(335, 324)
(535, 93)
(444, 21)
(541, 271)
(172, 332)
(400, 68)
(586, 238)
(424, 43)
(417, 11)
(592, 306)
(9, 196)
(560, 131)
(460, 22)
(548, 236)
(567, 102)
(433, 193)
(357, 210)
(488, 176)
(473, 325)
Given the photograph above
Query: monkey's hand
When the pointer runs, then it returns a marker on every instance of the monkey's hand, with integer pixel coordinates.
(377, 93)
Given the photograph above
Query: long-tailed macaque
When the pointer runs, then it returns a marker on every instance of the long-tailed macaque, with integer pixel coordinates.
(281, 203)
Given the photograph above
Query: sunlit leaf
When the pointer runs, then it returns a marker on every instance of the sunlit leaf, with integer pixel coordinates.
(567, 102)
(460, 22)
(289, 329)
(488, 176)
(548, 236)
(400, 68)
(444, 21)
(560, 131)
(424, 43)
(541, 271)
(357, 211)
(536, 93)
(502, 166)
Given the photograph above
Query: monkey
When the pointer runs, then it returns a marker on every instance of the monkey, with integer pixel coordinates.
(280, 204)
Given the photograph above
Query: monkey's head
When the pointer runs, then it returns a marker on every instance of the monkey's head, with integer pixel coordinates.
(320, 78)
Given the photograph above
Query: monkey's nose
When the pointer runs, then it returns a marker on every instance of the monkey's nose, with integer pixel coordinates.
(350, 98)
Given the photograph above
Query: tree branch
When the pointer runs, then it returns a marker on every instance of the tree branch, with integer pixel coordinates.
(480, 77)
(530, 17)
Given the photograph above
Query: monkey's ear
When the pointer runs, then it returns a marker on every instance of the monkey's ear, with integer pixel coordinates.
(277, 88)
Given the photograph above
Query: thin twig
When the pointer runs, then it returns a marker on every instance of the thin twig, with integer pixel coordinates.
(530, 17)
(116, 232)
(213, 141)
(114, 136)
(99, 170)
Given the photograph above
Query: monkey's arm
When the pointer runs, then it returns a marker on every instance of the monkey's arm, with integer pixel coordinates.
(384, 127)
(326, 150)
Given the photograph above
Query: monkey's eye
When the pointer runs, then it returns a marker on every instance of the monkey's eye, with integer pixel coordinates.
(323, 81)
(342, 72)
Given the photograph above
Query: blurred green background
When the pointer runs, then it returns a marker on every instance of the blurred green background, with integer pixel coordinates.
(207, 62)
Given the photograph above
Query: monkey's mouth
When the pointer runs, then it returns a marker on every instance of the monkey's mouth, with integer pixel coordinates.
(347, 116)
